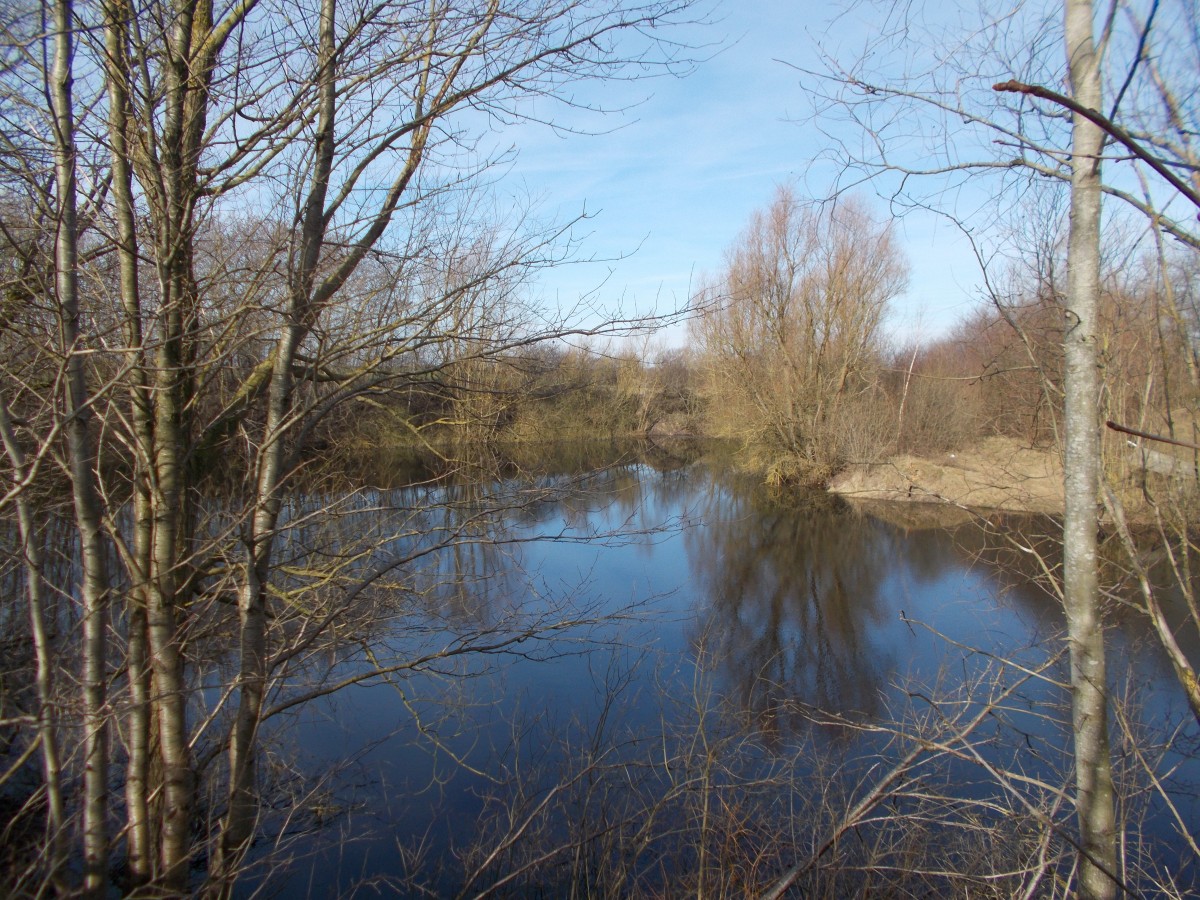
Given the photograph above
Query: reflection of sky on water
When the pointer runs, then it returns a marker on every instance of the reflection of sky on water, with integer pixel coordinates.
(792, 604)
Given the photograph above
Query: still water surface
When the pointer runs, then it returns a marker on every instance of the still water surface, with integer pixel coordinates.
(702, 590)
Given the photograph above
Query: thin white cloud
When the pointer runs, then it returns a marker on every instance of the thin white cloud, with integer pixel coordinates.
(677, 175)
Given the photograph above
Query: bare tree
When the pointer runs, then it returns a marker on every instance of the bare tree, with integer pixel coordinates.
(198, 340)
(1081, 466)
(790, 329)
(990, 100)
(81, 454)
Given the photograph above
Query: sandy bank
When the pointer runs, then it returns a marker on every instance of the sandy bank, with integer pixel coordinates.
(998, 473)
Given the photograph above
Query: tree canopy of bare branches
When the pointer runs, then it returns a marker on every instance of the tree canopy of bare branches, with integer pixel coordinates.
(791, 327)
(223, 224)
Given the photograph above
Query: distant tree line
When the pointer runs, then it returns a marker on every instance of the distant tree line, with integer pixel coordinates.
(793, 356)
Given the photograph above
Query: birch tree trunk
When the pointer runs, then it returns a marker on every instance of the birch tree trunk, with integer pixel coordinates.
(1081, 596)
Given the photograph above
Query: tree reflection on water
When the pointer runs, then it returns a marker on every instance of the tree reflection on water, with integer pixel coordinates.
(793, 599)
(709, 607)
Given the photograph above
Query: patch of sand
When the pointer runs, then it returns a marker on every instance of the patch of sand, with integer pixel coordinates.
(998, 473)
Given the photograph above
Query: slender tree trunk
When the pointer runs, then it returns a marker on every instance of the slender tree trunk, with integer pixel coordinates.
(1093, 765)
(239, 823)
(140, 844)
(252, 678)
(164, 628)
(47, 718)
(82, 461)
(140, 849)
(185, 91)
(904, 395)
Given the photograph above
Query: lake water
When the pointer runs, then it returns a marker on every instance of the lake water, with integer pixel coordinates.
(658, 615)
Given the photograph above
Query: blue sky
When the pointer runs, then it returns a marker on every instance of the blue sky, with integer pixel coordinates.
(675, 178)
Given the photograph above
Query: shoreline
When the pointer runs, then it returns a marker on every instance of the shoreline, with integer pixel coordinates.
(997, 474)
